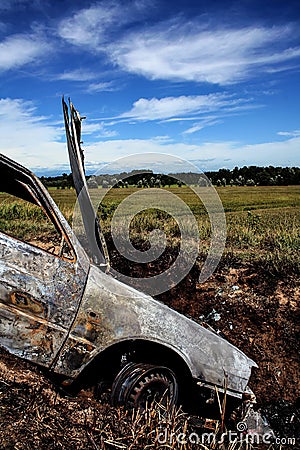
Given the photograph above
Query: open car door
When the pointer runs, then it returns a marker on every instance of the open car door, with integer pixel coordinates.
(93, 241)
(42, 273)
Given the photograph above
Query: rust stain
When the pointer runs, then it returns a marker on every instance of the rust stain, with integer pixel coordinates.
(26, 302)
(88, 325)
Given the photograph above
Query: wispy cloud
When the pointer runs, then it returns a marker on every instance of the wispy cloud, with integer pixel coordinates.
(91, 27)
(198, 126)
(108, 86)
(83, 75)
(17, 50)
(292, 134)
(177, 49)
(193, 53)
(99, 130)
(76, 75)
(173, 107)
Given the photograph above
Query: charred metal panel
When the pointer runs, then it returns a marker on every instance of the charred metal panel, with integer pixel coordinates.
(26, 337)
(39, 297)
(112, 312)
(76, 354)
(39, 292)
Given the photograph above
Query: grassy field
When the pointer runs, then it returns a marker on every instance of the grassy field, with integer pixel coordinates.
(263, 223)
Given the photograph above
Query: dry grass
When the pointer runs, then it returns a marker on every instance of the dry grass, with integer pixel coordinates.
(263, 224)
(34, 415)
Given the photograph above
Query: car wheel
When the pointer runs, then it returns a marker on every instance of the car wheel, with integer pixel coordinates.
(138, 385)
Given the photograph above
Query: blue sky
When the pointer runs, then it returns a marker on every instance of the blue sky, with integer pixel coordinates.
(216, 83)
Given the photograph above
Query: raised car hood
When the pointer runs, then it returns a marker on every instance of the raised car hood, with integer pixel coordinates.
(111, 312)
(92, 240)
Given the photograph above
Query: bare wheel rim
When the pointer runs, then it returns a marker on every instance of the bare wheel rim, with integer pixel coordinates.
(138, 385)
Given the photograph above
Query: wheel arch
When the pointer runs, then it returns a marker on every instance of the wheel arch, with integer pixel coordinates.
(108, 362)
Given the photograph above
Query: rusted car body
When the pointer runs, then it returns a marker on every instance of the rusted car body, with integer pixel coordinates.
(64, 311)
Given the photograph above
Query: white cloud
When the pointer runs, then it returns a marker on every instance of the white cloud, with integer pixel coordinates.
(295, 133)
(99, 129)
(170, 107)
(101, 87)
(90, 26)
(26, 137)
(76, 75)
(180, 50)
(17, 50)
(81, 75)
(207, 122)
(191, 53)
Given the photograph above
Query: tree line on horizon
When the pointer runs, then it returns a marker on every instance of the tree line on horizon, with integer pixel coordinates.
(244, 176)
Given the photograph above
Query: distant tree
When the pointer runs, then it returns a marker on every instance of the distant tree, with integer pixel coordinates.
(92, 182)
(263, 176)
(279, 181)
(157, 182)
(203, 181)
(64, 184)
(114, 182)
(240, 181)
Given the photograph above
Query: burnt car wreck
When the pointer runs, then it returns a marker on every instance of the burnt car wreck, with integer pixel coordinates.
(61, 309)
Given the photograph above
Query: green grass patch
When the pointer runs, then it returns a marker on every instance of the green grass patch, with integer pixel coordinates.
(263, 223)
